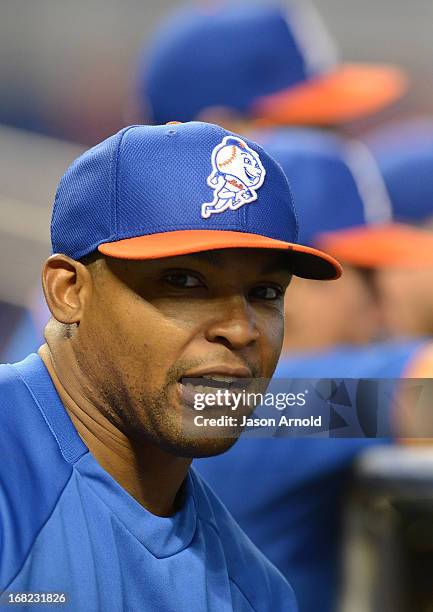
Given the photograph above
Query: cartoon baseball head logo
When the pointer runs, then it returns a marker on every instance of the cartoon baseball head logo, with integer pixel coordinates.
(237, 173)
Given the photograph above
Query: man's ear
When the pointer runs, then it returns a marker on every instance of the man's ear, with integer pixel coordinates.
(66, 285)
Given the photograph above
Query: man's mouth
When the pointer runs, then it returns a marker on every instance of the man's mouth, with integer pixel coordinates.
(208, 384)
(211, 385)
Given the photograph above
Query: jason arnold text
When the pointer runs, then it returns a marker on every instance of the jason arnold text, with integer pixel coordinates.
(231, 421)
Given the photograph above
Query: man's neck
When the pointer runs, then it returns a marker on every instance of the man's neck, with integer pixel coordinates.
(151, 475)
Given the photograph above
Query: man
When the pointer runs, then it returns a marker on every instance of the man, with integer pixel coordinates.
(98, 503)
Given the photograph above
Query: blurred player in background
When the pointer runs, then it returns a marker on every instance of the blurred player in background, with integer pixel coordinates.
(266, 64)
(404, 152)
(339, 186)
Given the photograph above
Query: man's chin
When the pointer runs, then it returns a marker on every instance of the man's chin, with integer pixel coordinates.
(193, 433)
(203, 434)
(196, 448)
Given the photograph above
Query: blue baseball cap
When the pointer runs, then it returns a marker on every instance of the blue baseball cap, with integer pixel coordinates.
(342, 203)
(404, 152)
(272, 64)
(150, 192)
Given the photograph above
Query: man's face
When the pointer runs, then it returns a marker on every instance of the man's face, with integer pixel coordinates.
(149, 324)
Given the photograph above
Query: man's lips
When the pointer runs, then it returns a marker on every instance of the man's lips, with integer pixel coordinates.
(219, 370)
(209, 381)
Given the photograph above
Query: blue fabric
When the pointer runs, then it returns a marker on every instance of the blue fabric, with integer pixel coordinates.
(287, 494)
(66, 525)
(405, 156)
(151, 179)
(219, 56)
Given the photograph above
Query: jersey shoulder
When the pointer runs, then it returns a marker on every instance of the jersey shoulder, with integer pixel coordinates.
(33, 471)
(249, 570)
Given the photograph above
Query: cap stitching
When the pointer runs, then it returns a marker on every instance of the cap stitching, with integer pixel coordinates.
(114, 178)
(292, 201)
(295, 214)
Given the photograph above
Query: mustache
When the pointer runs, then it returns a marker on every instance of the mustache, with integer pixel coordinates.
(177, 371)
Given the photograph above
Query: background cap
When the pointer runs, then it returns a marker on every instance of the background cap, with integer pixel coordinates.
(342, 202)
(278, 65)
(335, 182)
(159, 191)
(390, 245)
(404, 153)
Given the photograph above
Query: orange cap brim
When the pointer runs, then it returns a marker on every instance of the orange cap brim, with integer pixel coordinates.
(387, 245)
(305, 261)
(348, 92)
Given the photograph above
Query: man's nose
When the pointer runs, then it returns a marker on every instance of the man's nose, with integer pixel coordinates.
(234, 325)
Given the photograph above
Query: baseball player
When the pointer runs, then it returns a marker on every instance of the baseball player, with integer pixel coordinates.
(404, 152)
(149, 298)
(263, 64)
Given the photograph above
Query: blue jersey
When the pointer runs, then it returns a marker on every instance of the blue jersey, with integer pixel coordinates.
(67, 526)
(287, 494)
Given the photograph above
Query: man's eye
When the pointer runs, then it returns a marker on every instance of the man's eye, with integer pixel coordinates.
(266, 292)
(247, 160)
(182, 279)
